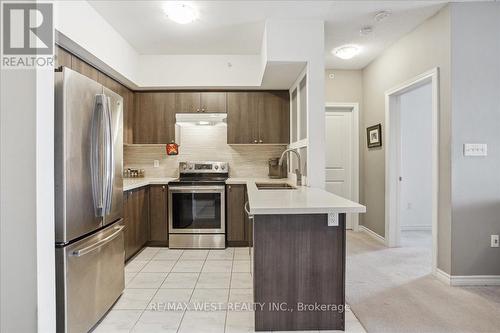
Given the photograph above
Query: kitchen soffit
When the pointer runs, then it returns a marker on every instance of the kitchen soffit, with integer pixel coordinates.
(237, 27)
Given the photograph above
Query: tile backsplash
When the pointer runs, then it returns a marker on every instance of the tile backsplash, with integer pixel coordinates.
(202, 143)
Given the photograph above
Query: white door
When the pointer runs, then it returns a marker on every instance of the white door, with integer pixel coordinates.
(339, 154)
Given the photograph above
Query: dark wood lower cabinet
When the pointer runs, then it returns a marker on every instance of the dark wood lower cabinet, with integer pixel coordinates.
(236, 219)
(136, 216)
(158, 223)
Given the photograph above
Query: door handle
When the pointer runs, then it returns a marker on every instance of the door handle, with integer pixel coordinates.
(101, 243)
(109, 153)
(96, 167)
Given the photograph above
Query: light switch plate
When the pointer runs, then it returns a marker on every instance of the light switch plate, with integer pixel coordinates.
(333, 219)
(475, 149)
(156, 163)
(494, 241)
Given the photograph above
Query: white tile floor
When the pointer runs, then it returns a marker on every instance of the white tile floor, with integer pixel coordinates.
(208, 282)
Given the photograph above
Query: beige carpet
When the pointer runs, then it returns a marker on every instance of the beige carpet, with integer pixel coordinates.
(391, 290)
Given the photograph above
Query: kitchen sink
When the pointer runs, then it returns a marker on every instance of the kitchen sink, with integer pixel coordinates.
(275, 186)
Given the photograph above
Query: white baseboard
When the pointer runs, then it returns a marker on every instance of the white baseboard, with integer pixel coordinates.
(467, 280)
(372, 234)
(475, 280)
(416, 228)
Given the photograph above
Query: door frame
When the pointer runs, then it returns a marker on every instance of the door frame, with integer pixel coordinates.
(392, 137)
(355, 152)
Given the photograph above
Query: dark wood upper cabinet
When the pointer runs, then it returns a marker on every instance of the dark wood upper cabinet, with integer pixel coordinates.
(187, 102)
(214, 102)
(158, 227)
(83, 68)
(242, 117)
(237, 233)
(154, 117)
(128, 116)
(258, 117)
(274, 118)
(63, 57)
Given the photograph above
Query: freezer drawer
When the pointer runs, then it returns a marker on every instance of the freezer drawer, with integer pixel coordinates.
(89, 278)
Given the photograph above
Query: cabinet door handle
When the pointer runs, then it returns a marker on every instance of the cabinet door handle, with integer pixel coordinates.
(254, 141)
(260, 141)
(198, 110)
(163, 188)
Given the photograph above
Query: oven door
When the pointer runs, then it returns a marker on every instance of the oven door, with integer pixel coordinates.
(196, 209)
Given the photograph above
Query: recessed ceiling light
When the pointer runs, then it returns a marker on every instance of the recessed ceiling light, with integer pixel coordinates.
(382, 15)
(180, 12)
(346, 51)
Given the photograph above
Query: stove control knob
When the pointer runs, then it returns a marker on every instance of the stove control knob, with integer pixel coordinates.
(223, 167)
(190, 167)
(216, 167)
(184, 167)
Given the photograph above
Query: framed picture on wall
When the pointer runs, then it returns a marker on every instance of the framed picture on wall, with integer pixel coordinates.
(374, 136)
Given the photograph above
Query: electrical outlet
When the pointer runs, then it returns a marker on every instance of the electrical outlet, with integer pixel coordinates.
(156, 163)
(494, 241)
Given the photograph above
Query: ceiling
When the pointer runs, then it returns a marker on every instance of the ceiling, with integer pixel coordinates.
(236, 27)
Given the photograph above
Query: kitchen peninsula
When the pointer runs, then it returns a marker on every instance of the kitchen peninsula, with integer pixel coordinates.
(298, 257)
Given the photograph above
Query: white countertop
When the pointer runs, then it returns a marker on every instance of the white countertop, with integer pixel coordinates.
(131, 183)
(302, 200)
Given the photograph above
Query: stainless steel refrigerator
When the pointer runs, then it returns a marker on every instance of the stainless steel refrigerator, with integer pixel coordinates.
(89, 200)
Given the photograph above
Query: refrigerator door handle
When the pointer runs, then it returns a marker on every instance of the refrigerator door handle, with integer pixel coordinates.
(96, 153)
(109, 153)
(98, 244)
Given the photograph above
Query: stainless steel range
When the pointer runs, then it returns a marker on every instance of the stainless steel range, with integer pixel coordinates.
(196, 201)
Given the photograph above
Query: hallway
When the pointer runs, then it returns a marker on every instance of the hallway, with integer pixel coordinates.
(391, 290)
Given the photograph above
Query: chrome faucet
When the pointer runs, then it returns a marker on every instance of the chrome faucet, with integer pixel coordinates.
(298, 171)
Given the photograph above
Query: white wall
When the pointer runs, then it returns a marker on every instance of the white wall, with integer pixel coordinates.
(416, 159)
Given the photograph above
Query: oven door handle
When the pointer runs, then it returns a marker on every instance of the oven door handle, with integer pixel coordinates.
(194, 189)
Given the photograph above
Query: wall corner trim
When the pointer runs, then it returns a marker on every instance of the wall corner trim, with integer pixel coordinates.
(372, 234)
(442, 276)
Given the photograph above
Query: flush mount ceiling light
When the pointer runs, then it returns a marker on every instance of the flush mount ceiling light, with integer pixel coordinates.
(180, 12)
(346, 51)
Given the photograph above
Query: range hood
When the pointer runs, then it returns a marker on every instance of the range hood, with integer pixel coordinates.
(200, 119)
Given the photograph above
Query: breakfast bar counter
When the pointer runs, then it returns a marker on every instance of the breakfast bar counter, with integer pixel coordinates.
(299, 255)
